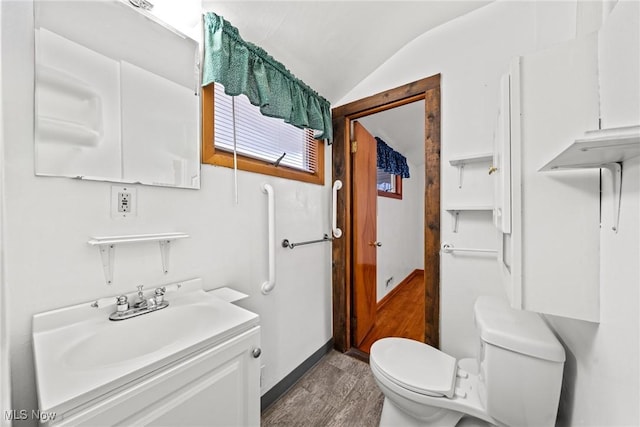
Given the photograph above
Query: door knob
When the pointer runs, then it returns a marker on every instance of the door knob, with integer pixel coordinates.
(492, 169)
(378, 244)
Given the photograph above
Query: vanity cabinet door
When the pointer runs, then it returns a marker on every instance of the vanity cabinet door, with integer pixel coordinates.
(217, 387)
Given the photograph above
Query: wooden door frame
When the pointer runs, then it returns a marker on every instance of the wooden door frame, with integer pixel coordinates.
(427, 89)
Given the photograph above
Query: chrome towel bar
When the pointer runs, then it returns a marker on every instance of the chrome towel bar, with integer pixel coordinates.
(287, 244)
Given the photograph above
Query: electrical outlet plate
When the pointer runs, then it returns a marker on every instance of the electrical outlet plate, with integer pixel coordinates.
(123, 202)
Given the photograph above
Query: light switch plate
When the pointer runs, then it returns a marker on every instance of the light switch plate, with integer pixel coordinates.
(124, 200)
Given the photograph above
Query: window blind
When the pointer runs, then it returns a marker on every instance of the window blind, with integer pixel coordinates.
(261, 137)
(386, 181)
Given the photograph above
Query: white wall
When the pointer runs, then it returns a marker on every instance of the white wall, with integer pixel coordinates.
(601, 378)
(49, 220)
(471, 53)
(5, 377)
(602, 368)
(400, 229)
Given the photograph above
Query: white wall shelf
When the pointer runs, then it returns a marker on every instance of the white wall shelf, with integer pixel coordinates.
(598, 148)
(461, 161)
(455, 212)
(107, 246)
(471, 158)
(469, 208)
(604, 148)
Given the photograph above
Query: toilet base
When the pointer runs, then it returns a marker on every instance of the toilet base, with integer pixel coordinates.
(392, 416)
(468, 421)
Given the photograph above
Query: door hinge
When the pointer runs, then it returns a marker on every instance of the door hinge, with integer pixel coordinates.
(354, 146)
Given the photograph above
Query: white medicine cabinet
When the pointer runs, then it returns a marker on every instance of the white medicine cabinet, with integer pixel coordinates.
(549, 223)
(116, 95)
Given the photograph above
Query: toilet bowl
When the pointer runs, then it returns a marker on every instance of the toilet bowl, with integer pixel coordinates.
(515, 381)
(424, 386)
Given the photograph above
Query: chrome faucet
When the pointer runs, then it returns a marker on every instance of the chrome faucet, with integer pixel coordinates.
(141, 306)
(142, 302)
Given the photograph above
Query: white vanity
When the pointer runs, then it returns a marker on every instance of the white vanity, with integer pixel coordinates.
(195, 362)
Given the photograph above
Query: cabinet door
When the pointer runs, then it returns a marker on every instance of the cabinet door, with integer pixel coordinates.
(556, 224)
(509, 251)
(115, 95)
(217, 387)
(501, 169)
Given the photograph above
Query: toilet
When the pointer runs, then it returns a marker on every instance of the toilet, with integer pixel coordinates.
(515, 380)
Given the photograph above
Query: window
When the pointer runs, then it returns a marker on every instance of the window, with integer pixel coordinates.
(389, 185)
(260, 140)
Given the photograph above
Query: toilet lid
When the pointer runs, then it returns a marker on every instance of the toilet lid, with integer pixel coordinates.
(415, 366)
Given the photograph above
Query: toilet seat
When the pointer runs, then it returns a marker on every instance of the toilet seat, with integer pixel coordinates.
(415, 366)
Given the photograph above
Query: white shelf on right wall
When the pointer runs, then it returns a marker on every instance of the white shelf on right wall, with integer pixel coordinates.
(598, 148)
(604, 148)
(455, 210)
(470, 158)
(461, 161)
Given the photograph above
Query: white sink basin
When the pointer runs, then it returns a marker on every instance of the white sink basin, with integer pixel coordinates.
(126, 340)
(78, 351)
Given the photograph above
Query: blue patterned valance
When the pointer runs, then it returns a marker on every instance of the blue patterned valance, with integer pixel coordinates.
(244, 68)
(391, 161)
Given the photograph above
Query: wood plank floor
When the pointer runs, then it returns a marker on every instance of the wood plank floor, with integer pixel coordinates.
(338, 391)
(401, 316)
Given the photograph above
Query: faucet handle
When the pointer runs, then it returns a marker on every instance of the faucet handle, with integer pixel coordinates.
(140, 288)
(121, 303)
(159, 294)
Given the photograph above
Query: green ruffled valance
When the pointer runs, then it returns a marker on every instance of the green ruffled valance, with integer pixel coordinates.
(244, 68)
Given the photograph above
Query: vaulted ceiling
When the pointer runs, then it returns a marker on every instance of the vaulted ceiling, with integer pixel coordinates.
(333, 45)
(402, 128)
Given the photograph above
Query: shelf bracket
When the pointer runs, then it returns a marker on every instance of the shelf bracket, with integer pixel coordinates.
(107, 246)
(461, 161)
(455, 216)
(164, 253)
(107, 254)
(616, 175)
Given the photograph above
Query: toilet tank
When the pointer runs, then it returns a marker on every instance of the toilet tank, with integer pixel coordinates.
(520, 365)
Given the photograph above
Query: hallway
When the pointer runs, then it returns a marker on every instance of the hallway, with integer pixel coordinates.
(401, 315)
